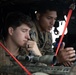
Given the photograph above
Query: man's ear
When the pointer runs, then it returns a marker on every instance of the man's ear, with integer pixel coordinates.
(10, 30)
(38, 16)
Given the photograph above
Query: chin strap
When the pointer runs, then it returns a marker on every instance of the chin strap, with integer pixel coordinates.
(72, 7)
(15, 59)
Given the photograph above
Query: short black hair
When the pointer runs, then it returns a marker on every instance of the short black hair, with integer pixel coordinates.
(47, 5)
(14, 20)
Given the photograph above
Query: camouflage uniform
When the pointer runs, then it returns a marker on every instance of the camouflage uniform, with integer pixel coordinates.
(8, 66)
(44, 40)
(7, 60)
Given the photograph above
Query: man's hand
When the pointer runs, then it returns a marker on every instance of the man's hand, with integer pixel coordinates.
(66, 55)
(32, 46)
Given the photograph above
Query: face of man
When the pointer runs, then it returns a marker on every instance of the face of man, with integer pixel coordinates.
(47, 20)
(20, 35)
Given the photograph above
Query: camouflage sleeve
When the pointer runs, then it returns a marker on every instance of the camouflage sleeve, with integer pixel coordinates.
(48, 45)
(11, 70)
(51, 48)
(33, 34)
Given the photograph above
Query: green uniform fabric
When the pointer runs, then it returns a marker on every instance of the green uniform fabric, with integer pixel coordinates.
(7, 60)
(44, 40)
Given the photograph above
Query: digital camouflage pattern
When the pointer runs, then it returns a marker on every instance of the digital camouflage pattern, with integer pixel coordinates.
(44, 40)
(8, 65)
(37, 70)
(6, 59)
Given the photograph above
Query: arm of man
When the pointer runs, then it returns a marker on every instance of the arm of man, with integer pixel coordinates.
(32, 46)
(66, 55)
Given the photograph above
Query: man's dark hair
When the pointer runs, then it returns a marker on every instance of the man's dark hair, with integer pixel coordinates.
(14, 20)
(47, 5)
